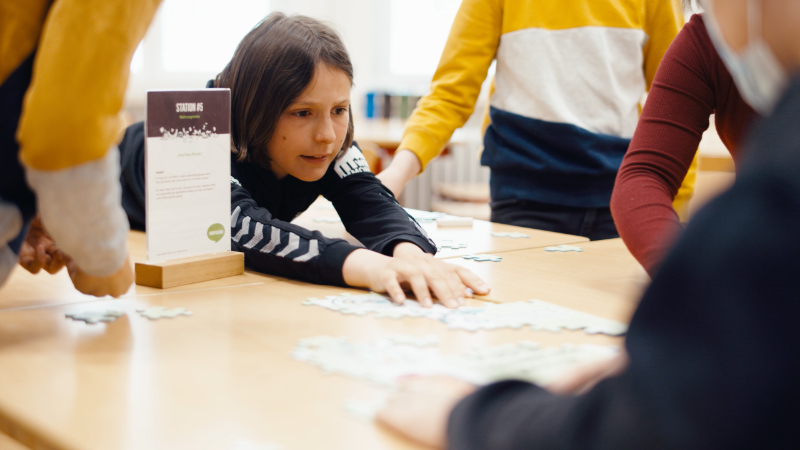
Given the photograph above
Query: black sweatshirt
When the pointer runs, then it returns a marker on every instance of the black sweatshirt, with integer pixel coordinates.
(714, 345)
(262, 208)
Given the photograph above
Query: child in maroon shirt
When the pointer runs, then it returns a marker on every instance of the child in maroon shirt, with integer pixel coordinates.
(691, 84)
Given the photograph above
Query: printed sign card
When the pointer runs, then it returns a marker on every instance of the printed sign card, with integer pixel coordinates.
(187, 173)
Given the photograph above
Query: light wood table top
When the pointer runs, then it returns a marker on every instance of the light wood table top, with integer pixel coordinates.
(604, 279)
(25, 290)
(221, 378)
(478, 237)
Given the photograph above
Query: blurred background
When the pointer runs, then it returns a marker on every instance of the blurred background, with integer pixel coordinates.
(395, 46)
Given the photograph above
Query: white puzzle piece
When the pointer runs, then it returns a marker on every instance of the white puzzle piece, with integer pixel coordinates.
(563, 248)
(536, 314)
(514, 235)
(448, 243)
(96, 316)
(483, 258)
(160, 312)
(424, 216)
(384, 362)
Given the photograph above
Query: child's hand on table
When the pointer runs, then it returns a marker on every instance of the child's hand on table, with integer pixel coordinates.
(412, 268)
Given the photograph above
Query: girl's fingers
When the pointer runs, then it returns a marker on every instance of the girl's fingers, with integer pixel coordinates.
(420, 288)
(473, 281)
(441, 288)
(456, 286)
(394, 290)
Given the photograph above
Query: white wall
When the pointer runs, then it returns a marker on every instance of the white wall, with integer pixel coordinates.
(365, 26)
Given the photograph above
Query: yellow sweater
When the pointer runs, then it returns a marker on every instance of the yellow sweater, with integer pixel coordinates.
(583, 63)
(83, 54)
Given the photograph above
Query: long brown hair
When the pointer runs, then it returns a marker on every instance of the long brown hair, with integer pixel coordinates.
(271, 67)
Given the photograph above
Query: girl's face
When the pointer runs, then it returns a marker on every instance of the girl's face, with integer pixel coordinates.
(311, 130)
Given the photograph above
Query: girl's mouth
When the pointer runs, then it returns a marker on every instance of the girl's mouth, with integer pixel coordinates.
(314, 159)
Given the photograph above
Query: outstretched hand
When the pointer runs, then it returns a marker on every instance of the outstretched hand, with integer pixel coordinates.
(420, 408)
(39, 251)
(414, 270)
(114, 285)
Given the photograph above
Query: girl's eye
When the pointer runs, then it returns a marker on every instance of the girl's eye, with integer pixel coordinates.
(302, 113)
(339, 111)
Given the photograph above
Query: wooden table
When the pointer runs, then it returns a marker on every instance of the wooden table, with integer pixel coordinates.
(24, 290)
(604, 279)
(224, 378)
(478, 237)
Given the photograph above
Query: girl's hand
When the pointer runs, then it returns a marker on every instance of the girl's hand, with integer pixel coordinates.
(420, 272)
(420, 407)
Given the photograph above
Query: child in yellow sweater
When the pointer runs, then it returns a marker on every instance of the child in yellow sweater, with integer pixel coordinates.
(565, 103)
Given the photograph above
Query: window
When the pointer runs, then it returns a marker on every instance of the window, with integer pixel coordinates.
(201, 35)
(419, 30)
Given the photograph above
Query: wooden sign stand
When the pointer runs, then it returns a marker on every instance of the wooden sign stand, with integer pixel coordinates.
(179, 272)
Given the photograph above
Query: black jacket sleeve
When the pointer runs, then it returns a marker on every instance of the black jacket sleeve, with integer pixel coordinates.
(131, 151)
(714, 359)
(280, 248)
(368, 209)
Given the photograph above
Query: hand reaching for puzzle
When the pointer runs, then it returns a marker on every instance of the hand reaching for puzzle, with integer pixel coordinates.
(39, 251)
(114, 285)
(585, 377)
(420, 407)
(419, 272)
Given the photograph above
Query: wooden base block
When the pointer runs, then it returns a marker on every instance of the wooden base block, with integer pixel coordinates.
(179, 272)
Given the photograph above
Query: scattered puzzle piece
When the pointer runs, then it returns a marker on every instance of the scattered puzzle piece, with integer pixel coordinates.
(96, 316)
(514, 235)
(159, 312)
(563, 248)
(383, 361)
(327, 219)
(536, 314)
(482, 258)
(424, 216)
(448, 243)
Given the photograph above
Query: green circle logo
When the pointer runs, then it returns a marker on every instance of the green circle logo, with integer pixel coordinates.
(216, 231)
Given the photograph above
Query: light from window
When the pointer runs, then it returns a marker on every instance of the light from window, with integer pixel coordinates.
(419, 30)
(201, 35)
(137, 63)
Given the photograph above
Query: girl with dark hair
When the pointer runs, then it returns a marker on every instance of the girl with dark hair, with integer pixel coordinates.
(292, 141)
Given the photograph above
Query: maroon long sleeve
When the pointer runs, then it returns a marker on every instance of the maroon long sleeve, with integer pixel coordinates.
(690, 85)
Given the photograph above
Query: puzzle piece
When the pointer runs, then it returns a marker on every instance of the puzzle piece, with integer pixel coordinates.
(514, 235)
(563, 248)
(327, 219)
(449, 243)
(159, 312)
(482, 258)
(536, 314)
(96, 316)
(424, 216)
(384, 362)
